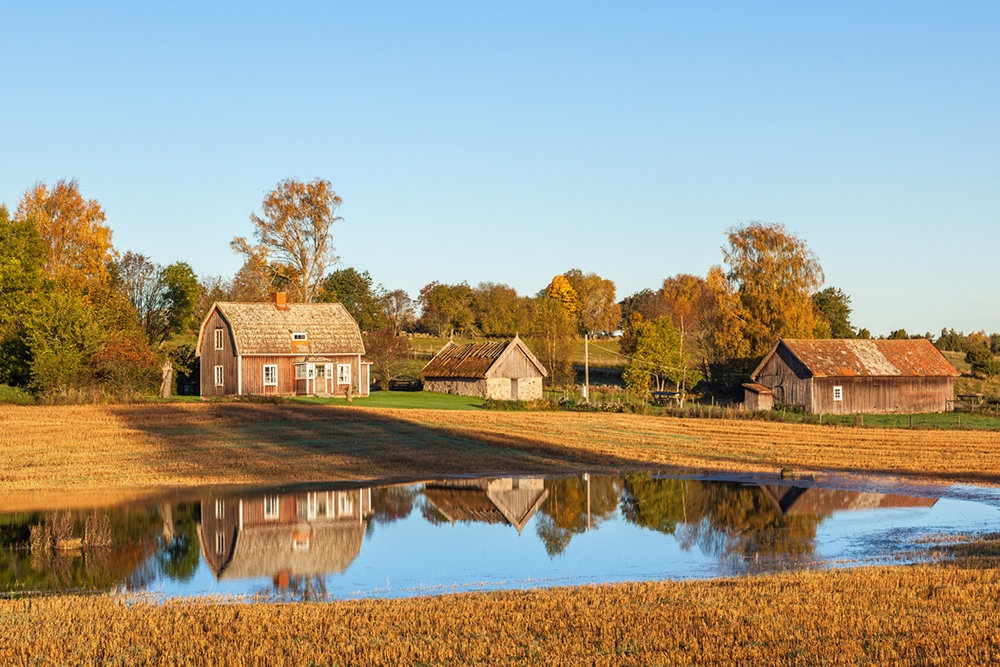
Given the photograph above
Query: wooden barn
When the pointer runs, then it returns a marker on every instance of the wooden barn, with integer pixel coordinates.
(505, 371)
(852, 376)
(281, 349)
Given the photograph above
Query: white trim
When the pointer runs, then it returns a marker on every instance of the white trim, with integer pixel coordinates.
(275, 514)
(219, 338)
(838, 393)
(219, 375)
(239, 375)
(274, 379)
(341, 376)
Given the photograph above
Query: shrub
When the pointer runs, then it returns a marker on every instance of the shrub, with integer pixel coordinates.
(15, 395)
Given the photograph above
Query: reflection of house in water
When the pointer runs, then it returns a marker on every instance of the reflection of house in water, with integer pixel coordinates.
(507, 500)
(811, 501)
(283, 535)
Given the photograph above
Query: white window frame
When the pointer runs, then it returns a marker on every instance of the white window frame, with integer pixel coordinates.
(300, 335)
(272, 370)
(343, 374)
(838, 393)
(220, 508)
(220, 542)
(220, 338)
(272, 508)
(300, 372)
(345, 504)
(220, 376)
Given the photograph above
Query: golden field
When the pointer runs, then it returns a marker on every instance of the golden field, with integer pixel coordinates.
(921, 615)
(103, 453)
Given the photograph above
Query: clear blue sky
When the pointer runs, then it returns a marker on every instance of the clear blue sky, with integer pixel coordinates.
(510, 141)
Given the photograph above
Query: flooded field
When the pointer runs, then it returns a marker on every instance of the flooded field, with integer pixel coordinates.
(436, 536)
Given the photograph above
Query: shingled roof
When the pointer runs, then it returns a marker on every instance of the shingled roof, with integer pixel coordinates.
(865, 358)
(264, 328)
(474, 360)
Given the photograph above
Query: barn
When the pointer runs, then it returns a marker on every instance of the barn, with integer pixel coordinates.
(278, 348)
(502, 370)
(854, 376)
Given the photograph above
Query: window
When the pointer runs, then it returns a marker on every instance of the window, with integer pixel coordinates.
(271, 508)
(220, 338)
(838, 393)
(345, 505)
(220, 508)
(300, 372)
(320, 371)
(220, 543)
(343, 374)
(271, 375)
(220, 379)
(300, 335)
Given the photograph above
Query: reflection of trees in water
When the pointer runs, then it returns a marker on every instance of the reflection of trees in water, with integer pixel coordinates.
(574, 505)
(392, 503)
(179, 557)
(298, 588)
(94, 549)
(722, 519)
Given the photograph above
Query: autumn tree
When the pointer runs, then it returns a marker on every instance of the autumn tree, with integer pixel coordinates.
(646, 303)
(690, 303)
(553, 338)
(597, 310)
(772, 275)
(388, 353)
(833, 309)
(79, 249)
(499, 310)
(659, 358)
(399, 310)
(562, 291)
(294, 234)
(447, 309)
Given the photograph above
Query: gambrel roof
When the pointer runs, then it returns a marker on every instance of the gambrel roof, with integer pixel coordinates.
(865, 358)
(473, 361)
(265, 328)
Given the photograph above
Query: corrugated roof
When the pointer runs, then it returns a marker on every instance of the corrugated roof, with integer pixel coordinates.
(473, 360)
(867, 358)
(263, 328)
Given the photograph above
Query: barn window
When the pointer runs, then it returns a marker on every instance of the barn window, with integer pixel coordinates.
(271, 508)
(220, 543)
(271, 375)
(220, 508)
(220, 338)
(300, 335)
(343, 374)
(838, 393)
(219, 377)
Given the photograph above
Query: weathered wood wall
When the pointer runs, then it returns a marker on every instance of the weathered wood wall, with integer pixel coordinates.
(210, 358)
(515, 365)
(885, 394)
(787, 378)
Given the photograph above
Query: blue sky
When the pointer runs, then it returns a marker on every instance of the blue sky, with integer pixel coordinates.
(510, 141)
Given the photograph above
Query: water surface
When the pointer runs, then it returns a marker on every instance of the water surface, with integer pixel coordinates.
(389, 540)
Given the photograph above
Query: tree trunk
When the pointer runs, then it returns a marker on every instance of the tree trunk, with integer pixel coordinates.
(167, 381)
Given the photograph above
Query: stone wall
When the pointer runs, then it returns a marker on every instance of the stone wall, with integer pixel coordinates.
(457, 387)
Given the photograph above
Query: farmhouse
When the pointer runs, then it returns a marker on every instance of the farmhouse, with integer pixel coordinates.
(281, 349)
(505, 371)
(851, 376)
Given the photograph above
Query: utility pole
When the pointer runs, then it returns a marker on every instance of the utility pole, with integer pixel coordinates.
(586, 368)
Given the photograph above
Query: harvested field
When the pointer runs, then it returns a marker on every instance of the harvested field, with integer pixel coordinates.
(929, 615)
(125, 450)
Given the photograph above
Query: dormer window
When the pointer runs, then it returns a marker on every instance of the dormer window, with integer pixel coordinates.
(300, 335)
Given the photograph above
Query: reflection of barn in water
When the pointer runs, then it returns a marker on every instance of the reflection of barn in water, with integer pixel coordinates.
(506, 500)
(812, 501)
(283, 535)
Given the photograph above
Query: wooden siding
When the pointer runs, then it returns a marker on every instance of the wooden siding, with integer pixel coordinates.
(253, 376)
(210, 358)
(787, 378)
(886, 394)
(514, 365)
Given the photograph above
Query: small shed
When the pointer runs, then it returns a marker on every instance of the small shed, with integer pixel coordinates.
(852, 376)
(501, 370)
(757, 397)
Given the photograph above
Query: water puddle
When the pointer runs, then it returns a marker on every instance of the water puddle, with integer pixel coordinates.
(393, 540)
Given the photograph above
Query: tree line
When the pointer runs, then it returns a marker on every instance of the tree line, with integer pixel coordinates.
(79, 319)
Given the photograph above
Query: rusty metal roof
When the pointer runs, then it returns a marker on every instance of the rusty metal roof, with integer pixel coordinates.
(866, 358)
(263, 328)
(757, 388)
(473, 360)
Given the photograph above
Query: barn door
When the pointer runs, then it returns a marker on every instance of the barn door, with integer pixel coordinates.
(513, 389)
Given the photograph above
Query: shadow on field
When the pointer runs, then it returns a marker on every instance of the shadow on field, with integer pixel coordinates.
(316, 442)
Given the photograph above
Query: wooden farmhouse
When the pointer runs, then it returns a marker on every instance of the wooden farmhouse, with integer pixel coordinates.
(281, 349)
(505, 371)
(852, 376)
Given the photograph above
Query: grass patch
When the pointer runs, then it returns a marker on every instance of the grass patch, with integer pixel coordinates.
(425, 400)
(15, 396)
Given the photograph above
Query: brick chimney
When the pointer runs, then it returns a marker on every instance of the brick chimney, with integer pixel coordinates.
(279, 299)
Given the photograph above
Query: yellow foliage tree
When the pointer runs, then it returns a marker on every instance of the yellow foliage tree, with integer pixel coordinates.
(562, 291)
(79, 244)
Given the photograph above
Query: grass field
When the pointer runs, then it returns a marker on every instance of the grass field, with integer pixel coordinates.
(921, 615)
(57, 454)
(426, 400)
